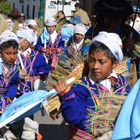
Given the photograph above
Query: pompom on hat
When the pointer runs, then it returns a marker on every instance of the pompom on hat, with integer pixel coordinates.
(113, 8)
(80, 29)
(50, 22)
(8, 35)
(112, 41)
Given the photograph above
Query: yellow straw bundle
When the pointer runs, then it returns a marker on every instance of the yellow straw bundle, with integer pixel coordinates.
(107, 113)
(72, 67)
(3, 24)
(122, 68)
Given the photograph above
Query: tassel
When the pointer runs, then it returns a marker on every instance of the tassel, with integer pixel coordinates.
(39, 136)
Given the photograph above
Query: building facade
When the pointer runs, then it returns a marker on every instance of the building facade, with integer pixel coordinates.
(29, 7)
(46, 8)
(33, 8)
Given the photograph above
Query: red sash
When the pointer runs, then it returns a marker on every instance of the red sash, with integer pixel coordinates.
(78, 134)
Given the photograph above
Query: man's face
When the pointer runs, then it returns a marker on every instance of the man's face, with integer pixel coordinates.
(9, 55)
(51, 29)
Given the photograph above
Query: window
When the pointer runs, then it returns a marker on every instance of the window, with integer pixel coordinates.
(28, 10)
(13, 5)
(21, 1)
(22, 8)
(33, 13)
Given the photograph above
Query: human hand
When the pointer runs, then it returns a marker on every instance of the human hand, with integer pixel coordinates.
(43, 50)
(23, 72)
(62, 88)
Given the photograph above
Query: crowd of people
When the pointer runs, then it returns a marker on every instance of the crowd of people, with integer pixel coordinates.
(27, 56)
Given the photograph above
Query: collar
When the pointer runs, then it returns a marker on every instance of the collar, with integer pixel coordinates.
(107, 82)
(5, 65)
(28, 51)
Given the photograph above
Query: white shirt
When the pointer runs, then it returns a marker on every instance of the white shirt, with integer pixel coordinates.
(53, 36)
(106, 82)
(28, 51)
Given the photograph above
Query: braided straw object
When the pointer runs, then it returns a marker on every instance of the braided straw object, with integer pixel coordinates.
(71, 67)
(3, 24)
(137, 48)
(107, 113)
(122, 68)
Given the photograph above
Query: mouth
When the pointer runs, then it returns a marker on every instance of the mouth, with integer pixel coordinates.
(95, 72)
(11, 62)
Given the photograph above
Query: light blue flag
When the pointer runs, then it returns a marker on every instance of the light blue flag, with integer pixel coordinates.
(27, 99)
(127, 126)
(44, 36)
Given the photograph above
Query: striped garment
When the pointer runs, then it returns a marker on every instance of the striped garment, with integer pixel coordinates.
(91, 109)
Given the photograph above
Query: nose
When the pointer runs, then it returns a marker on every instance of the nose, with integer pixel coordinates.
(12, 57)
(96, 65)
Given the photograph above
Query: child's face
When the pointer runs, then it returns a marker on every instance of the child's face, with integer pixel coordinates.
(78, 37)
(24, 44)
(51, 29)
(100, 65)
(9, 55)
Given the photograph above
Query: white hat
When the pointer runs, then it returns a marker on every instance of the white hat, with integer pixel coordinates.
(25, 34)
(31, 22)
(80, 29)
(112, 41)
(8, 35)
(50, 22)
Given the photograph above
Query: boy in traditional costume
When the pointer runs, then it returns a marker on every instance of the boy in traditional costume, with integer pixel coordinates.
(50, 42)
(76, 42)
(9, 72)
(92, 104)
(33, 64)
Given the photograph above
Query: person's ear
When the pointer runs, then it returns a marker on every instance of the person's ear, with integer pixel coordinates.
(115, 64)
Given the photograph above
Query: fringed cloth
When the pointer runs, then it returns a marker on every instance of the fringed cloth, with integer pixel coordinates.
(78, 134)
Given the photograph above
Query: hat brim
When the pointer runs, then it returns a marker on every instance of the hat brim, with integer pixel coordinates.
(50, 25)
(119, 13)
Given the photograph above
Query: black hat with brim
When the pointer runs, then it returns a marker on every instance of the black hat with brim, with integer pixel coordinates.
(113, 8)
(14, 13)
